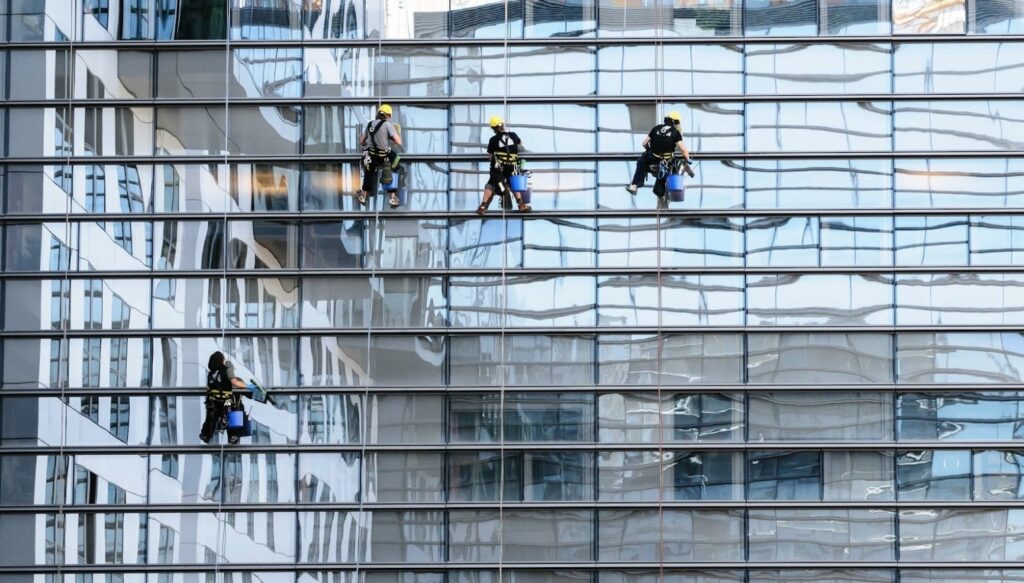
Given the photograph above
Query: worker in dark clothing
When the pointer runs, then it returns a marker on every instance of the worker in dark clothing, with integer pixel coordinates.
(503, 153)
(378, 155)
(661, 143)
(220, 382)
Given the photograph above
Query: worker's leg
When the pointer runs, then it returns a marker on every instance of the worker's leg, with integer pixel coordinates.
(213, 415)
(486, 202)
(370, 178)
(640, 173)
(523, 207)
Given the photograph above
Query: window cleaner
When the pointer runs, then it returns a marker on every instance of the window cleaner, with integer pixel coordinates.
(223, 405)
(660, 146)
(379, 157)
(505, 168)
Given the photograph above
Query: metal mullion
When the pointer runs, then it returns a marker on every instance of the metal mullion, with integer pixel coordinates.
(538, 446)
(539, 156)
(541, 41)
(588, 505)
(291, 567)
(576, 100)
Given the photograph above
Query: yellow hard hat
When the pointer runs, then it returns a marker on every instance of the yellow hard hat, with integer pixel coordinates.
(497, 121)
(674, 116)
(385, 109)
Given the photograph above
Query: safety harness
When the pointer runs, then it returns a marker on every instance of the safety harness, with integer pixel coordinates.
(372, 131)
(507, 156)
(218, 385)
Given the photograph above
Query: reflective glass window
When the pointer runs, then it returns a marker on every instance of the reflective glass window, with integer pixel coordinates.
(934, 475)
(683, 242)
(676, 359)
(819, 358)
(952, 182)
(957, 68)
(825, 300)
(998, 475)
(953, 298)
(996, 240)
(852, 534)
(333, 21)
(787, 18)
(328, 477)
(704, 475)
(480, 71)
(475, 19)
(199, 188)
(193, 20)
(262, 244)
(855, 17)
(922, 17)
(39, 131)
(641, 535)
(629, 476)
(635, 70)
(981, 416)
(958, 125)
(191, 130)
(333, 244)
(522, 301)
(819, 126)
(265, 187)
(191, 73)
(685, 300)
(669, 18)
(547, 535)
(679, 417)
(806, 69)
(477, 476)
(332, 419)
(818, 184)
(782, 241)
(265, 72)
(968, 357)
(784, 475)
(521, 360)
(391, 302)
(264, 130)
(402, 477)
(277, 20)
(706, 127)
(39, 74)
(995, 17)
(960, 534)
(547, 129)
(858, 241)
(858, 475)
(931, 240)
(805, 416)
(364, 72)
(718, 185)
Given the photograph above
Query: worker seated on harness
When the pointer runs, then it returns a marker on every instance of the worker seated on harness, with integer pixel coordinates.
(378, 155)
(660, 144)
(503, 153)
(220, 381)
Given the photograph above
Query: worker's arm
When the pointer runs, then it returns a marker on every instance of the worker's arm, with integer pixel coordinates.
(239, 383)
(646, 142)
(362, 139)
(397, 138)
(682, 148)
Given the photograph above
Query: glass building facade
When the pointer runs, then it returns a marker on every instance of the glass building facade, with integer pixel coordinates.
(811, 370)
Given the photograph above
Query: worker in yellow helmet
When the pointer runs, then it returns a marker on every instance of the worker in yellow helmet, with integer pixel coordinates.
(503, 152)
(378, 155)
(661, 143)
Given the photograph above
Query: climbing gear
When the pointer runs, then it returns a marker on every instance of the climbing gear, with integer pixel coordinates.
(674, 116)
(385, 109)
(496, 121)
(361, 196)
(631, 189)
(393, 200)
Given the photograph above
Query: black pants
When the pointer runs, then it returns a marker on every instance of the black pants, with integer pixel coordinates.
(216, 412)
(642, 163)
(386, 165)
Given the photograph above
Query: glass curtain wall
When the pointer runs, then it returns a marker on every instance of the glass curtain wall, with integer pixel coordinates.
(810, 369)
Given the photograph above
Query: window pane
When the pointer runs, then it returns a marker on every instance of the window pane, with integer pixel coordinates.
(328, 477)
(995, 17)
(685, 535)
(38, 131)
(192, 131)
(628, 476)
(280, 20)
(920, 17)
(806, 69)
(544, 129)
(824, 576)
(475, 476)
(960, 357)
(407, 243)
(194, 20)
(547, 535)
(824, 300)
(559, 242)
(958, 125)
(265, 187)
(332, 419)
(366, 72)
(782, 241)
(527, 301)
(262, 244)
(819, 126)
(686, 300)
(957, 68)
(634, 417)
(931, 240)
(998, 475)
(853, 17)
(704, 475)
(784, 475)
(707, 127)
(951, 298)
(996, 240)
(934, 475)
(858, 475)
(815, 184)
(198, 73)
(636, 70)
(549, 417)
(669, 18)
(683, 242)
(558, 476)
(684, 359)
(985, 183)
(479, 71)
(403, 537)
(265, 72)
(402, 477)
(988, 416)
(42, 74)
(522, 360)
(819, 358)
(821, 534)
(832, 416)
(389, 302)
(856, 241)
(264, 131)
(960, 535)
(405, 418)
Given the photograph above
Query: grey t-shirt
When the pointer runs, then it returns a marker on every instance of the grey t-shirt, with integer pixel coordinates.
(380, 139)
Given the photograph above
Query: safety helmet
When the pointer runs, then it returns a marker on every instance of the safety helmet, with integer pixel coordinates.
(385, 109)
(496, 121)
(674, 116)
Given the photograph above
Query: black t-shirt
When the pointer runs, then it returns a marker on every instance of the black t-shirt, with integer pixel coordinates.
(218, 381)
(506, 142)
(664, 138)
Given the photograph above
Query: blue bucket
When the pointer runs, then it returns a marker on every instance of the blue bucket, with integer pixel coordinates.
(247, 429)
(393, 185)
(236, 419)
(675, 187)
(526, 195)
(517, 183)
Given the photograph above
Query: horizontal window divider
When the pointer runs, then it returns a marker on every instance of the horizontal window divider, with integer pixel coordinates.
(537, 214)
(585, 99)
(214, 506)
(493, 272)
(513, 42)
(599, 389)
(507, 565)
(482, 157)
(893, 446)
(508, 331)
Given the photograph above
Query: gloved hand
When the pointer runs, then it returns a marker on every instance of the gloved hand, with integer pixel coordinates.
(253, 388)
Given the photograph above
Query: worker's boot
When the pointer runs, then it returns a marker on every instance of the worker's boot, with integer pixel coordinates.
(482, 209)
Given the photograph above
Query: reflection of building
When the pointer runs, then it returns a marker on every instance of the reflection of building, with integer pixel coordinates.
(808, 370)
